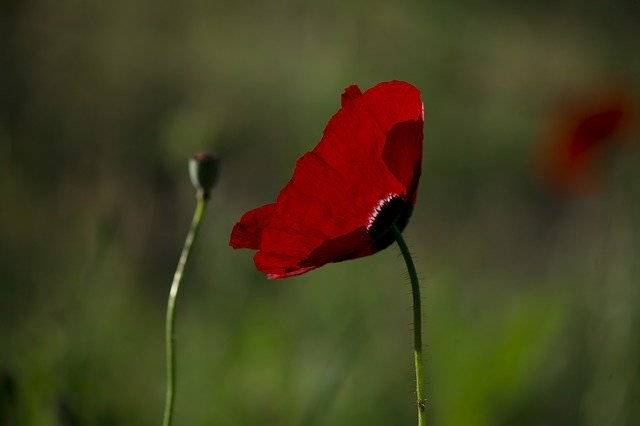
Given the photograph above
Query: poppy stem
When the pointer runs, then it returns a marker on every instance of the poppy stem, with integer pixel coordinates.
(170, 340)
(421, 401)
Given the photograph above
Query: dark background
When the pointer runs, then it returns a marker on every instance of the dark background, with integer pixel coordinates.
(531, 294)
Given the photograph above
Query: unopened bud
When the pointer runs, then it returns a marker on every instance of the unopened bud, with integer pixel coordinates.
(203, 171)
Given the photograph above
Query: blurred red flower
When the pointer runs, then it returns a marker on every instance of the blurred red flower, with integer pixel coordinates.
(347, 192)
(583, 133)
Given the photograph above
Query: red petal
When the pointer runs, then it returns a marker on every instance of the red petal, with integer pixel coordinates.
(322, 215)
(402, 154)
(349, 246)
(579, 138)
(393, 102)
(594, 129)
(248, 232)
(274, 267)
(350, 93)
(320, 204)
(358, 131)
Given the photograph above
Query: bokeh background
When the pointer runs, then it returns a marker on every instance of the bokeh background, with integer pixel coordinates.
(531, 292)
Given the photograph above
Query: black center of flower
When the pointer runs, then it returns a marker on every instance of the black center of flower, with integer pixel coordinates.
(394, 211)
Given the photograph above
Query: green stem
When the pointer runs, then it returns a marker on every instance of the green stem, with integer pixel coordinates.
(417, 326)
(170, 339)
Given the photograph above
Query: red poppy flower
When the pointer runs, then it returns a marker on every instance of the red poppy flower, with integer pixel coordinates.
(347, 192)
(583, 133)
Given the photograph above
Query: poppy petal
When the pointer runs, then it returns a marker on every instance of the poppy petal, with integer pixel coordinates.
(350, 93)
(273, 267)
(581, 134)
(344, 247)
(594, 129)
(318, 205)
(248, 232)
(394, 102)
(370, 152)
(402, 153)
(356, 132)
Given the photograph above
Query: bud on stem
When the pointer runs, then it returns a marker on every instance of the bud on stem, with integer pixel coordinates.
(203, 171)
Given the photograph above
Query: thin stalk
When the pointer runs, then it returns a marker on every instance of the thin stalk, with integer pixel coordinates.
(170, 340)
(421, 400)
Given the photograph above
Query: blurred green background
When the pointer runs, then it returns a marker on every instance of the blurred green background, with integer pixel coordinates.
(530, 297)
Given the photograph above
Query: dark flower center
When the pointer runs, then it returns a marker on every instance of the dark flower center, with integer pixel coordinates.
(392, 211)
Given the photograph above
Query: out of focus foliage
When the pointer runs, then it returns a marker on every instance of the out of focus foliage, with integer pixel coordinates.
(531, 294)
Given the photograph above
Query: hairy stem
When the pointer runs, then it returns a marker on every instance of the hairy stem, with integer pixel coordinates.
(421, 401)
(170, 340)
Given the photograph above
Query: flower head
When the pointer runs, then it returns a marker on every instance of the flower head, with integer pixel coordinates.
(203, 171)
(348, 191)
(582, 134)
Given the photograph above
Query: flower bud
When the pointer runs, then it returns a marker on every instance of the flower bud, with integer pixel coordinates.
(203, 171)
